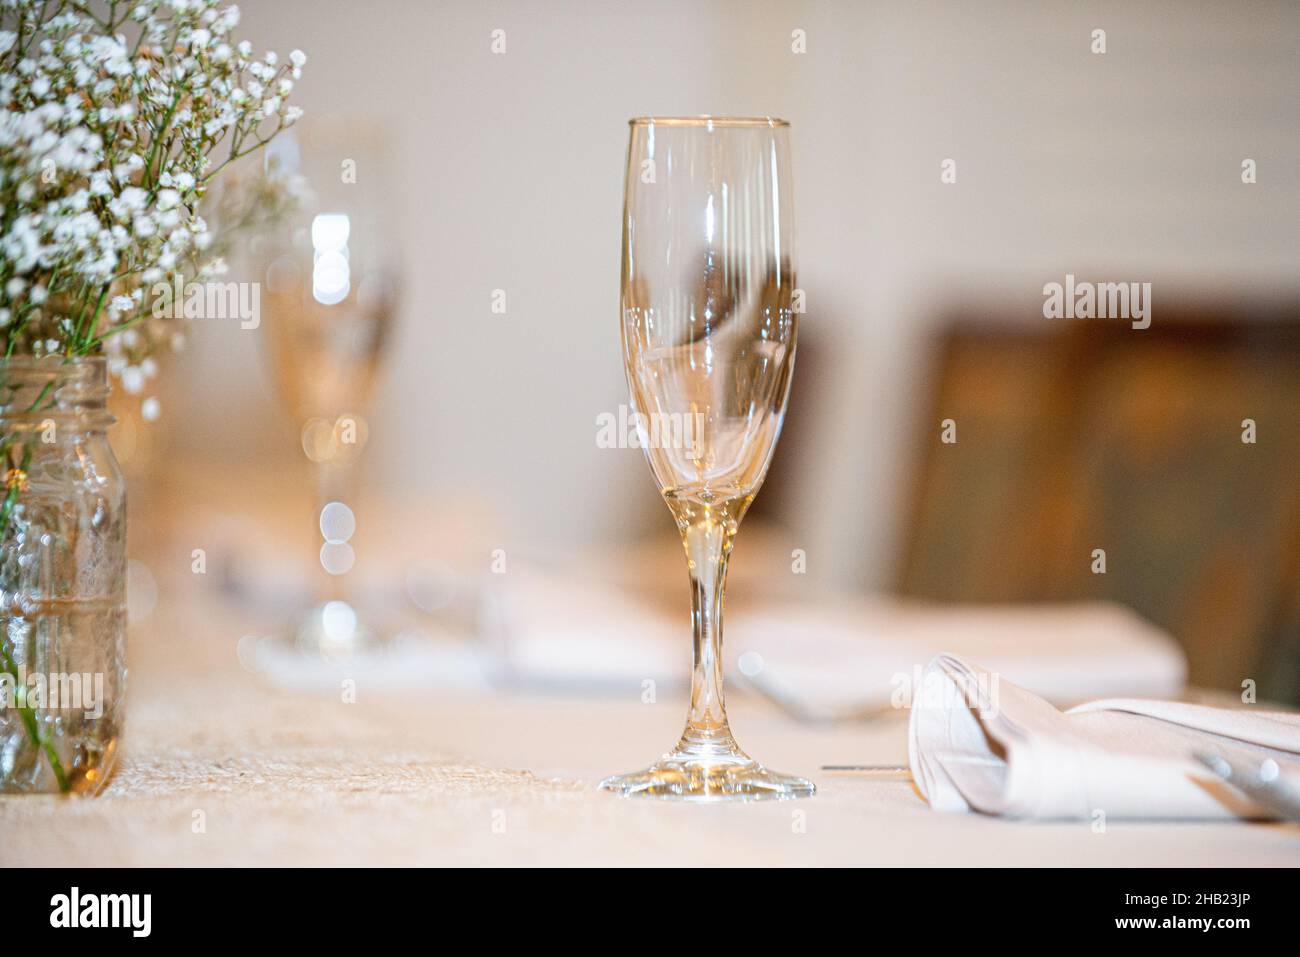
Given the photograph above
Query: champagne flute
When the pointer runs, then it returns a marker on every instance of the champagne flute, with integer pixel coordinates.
(332, 296)
(708, 346)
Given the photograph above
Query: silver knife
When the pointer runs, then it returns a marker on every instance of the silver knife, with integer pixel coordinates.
(1261, 779)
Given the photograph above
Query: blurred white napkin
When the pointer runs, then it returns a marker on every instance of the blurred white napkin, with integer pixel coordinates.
(830, 656)
(978, 742)
(848, 654)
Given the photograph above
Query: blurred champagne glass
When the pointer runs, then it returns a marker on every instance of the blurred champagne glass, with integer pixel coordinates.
(331, 297)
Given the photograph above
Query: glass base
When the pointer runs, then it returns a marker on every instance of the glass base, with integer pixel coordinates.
(333, 630)
(690, 774)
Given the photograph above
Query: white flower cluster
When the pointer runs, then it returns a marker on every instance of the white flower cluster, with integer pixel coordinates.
(114, 119)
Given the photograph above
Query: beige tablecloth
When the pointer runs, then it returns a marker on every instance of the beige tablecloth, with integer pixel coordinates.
(221, 768)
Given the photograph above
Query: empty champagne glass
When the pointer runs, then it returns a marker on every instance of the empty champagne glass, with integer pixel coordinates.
(332, 297)
(708, 345)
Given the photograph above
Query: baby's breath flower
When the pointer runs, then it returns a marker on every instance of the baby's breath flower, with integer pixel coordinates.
(113, 120)
(132, 379)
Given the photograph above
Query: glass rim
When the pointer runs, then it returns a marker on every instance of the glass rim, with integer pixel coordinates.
(64, 369)
(707, 120)
(54, 360)
(80, 388)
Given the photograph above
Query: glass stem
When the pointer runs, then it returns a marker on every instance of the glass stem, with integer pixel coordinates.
(708, 544)
(334, 483)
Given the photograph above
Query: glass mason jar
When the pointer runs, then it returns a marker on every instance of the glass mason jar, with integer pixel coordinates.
(62, 577)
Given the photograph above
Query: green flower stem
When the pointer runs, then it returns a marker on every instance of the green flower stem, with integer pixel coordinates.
(8, 665)
(33, 728)
(79, 341)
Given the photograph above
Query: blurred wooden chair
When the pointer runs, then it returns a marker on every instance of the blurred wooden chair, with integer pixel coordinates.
(1092, 435)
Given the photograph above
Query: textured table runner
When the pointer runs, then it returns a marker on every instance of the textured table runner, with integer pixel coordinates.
(219, 768)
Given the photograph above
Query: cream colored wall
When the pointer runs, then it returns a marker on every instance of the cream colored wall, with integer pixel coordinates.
(508, 174)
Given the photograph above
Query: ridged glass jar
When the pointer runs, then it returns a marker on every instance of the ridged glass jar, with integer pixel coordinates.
(62, 578)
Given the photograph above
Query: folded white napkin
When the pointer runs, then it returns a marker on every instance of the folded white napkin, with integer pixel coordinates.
(979, 743)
